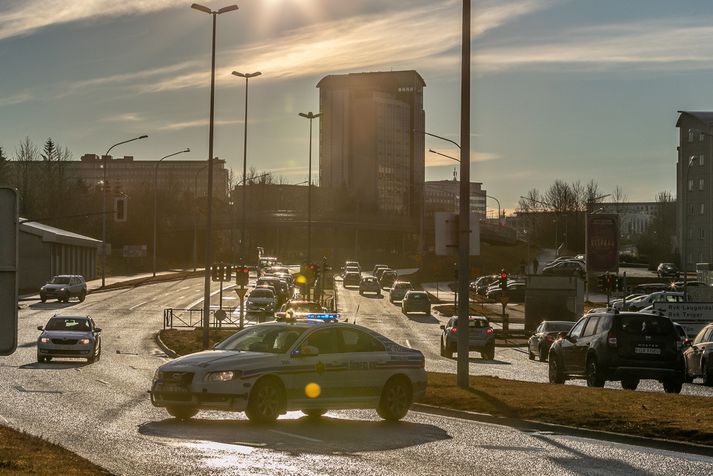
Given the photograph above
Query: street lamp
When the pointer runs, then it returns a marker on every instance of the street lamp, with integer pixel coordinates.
(104, 179)
(490, 196)
(443, 155)
(155, 201)
(309, 116)
(209, 215)
(247, 76)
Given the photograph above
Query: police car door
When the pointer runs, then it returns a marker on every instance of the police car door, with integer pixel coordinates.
(326, 370)
(367, 363)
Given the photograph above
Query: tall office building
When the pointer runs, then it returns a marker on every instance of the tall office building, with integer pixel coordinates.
(368, 147)
(693, 187)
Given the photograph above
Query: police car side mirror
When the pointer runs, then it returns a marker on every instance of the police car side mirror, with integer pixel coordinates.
(306, 351)
(687, 342)
(562, 335)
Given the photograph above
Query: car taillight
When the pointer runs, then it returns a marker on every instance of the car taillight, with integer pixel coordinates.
(549, 338)
(612, 339)
(453, 330)
(489, 330)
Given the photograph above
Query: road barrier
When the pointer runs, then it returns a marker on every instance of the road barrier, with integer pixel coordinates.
(185, 318)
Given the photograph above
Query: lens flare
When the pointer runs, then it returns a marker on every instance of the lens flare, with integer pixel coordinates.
(312, 390)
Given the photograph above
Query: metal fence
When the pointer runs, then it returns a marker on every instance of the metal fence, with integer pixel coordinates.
(185, 318)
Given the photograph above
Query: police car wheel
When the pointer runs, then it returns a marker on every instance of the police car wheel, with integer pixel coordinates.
(265, 402)
(182, 413)
(395, 399)
(314, 412)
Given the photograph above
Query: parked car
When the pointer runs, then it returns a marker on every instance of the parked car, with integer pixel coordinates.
(63, 287)
(660, 296)
(619, 303)
(481, 337)
(377, 268)
(380, 272)
(648, 288)
(565, 268)
(480, 285)
(369, 284)
(69, 336)
(624, 346)
(351, 278)
(399, 290)
(515, 292)
(387, 279)
(668, 270)
(352, 264)
(546, 333)
(269, 369)
(416, 301)
(261, 299)
(698, 356)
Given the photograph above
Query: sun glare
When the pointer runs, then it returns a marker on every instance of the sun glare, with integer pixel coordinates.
(273, 9)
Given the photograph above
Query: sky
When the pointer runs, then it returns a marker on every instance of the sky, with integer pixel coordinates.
(568, 89)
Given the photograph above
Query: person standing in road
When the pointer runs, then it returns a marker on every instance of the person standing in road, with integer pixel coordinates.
(535, 265)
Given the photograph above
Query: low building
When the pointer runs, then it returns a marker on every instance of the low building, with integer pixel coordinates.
(634, 217)
(444, 196)
(46, 251)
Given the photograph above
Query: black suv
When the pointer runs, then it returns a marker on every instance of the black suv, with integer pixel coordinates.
(626, 346)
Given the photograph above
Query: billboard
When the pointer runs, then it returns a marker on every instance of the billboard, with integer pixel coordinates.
(603, 242)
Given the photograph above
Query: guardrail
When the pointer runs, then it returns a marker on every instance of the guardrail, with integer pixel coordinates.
(192, 318)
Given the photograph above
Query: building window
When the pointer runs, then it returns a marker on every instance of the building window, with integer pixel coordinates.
(701, 160)
(701, 136)
(701, 183)
(690, 185)
(690, 135)
(691, 209)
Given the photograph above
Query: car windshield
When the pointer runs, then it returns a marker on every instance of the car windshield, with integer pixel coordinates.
(271, 338)
(416, 295)
(305, 307)
(645, 324)
(262, 293)
(68, 324)
(60, 280)
(557, 326)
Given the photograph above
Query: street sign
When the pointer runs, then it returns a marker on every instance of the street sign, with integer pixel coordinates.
(134, 251)
(447, 234)
(241, 292)
(9, 225)
(220, 315)
(504, 299)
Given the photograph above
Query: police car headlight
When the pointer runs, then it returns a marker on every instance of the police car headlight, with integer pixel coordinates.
(222, 376)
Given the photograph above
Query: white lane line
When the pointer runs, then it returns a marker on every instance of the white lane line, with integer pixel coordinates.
(102, 381)
(181, 297)
(292, 435)
(408, 344)
(198, 301)
(5, 420)
(139, 304)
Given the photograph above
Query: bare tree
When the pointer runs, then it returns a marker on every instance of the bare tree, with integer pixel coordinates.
(618, 197)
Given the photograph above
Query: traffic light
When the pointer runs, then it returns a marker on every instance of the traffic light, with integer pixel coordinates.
(215, 272)
(620, 283)
(602, 281)
(242, 275)
(503, 280)
(228, 272)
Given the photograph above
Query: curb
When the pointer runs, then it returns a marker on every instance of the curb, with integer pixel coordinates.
(169, 352)
(539, 426)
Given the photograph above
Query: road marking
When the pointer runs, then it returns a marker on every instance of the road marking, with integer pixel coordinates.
(22, 389)
(102, 381)
(217, 291)
(139, 304)
(408, 344)
(314, 440)
(7, 422)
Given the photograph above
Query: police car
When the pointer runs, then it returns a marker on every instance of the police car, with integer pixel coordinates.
(309, 365)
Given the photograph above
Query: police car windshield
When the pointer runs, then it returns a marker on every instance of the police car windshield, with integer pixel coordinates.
(306, 307)
(271, 339)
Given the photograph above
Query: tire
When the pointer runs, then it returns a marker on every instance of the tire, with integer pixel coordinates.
(182, 413)
(594, 376)
(543, 354)
(556, 375)
(314, 412)
(673, 385)
(82, 296)
(266, 401)
(395, 399)
(428, 311)
(630, 383)
(41, 360)
(361, 293)
(43, 299)
(530, 355)
(488, 353)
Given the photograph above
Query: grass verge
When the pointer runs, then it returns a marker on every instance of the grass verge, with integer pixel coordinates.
(655, 415)
(22, 454)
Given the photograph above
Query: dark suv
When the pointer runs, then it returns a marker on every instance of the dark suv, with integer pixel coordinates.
(627, 346)
(667, 270)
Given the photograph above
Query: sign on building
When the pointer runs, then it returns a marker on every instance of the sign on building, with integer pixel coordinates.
(447, 234)
(602, 242)
(9, 225)
(134, 251)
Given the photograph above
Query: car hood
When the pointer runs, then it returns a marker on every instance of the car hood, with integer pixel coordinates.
(261, 300)
(217, 358)
(66, 334)
(55, 286)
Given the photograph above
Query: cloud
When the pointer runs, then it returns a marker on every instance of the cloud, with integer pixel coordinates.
(177, 126)
(376, 41)
(126, 117)
(28, 16)
(434, 160)
(15, 99)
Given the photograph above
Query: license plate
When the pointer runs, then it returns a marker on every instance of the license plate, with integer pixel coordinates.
(647, 350)
(173, 388)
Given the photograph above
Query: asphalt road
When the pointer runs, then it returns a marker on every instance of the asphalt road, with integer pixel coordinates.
(102, 412)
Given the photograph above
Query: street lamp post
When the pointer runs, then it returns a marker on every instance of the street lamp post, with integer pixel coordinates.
(247, 76)
(155, 202)
(309, 116)
(104, 180)
(490, 196)
(684, 226)
(209, 214)
(195, 216)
